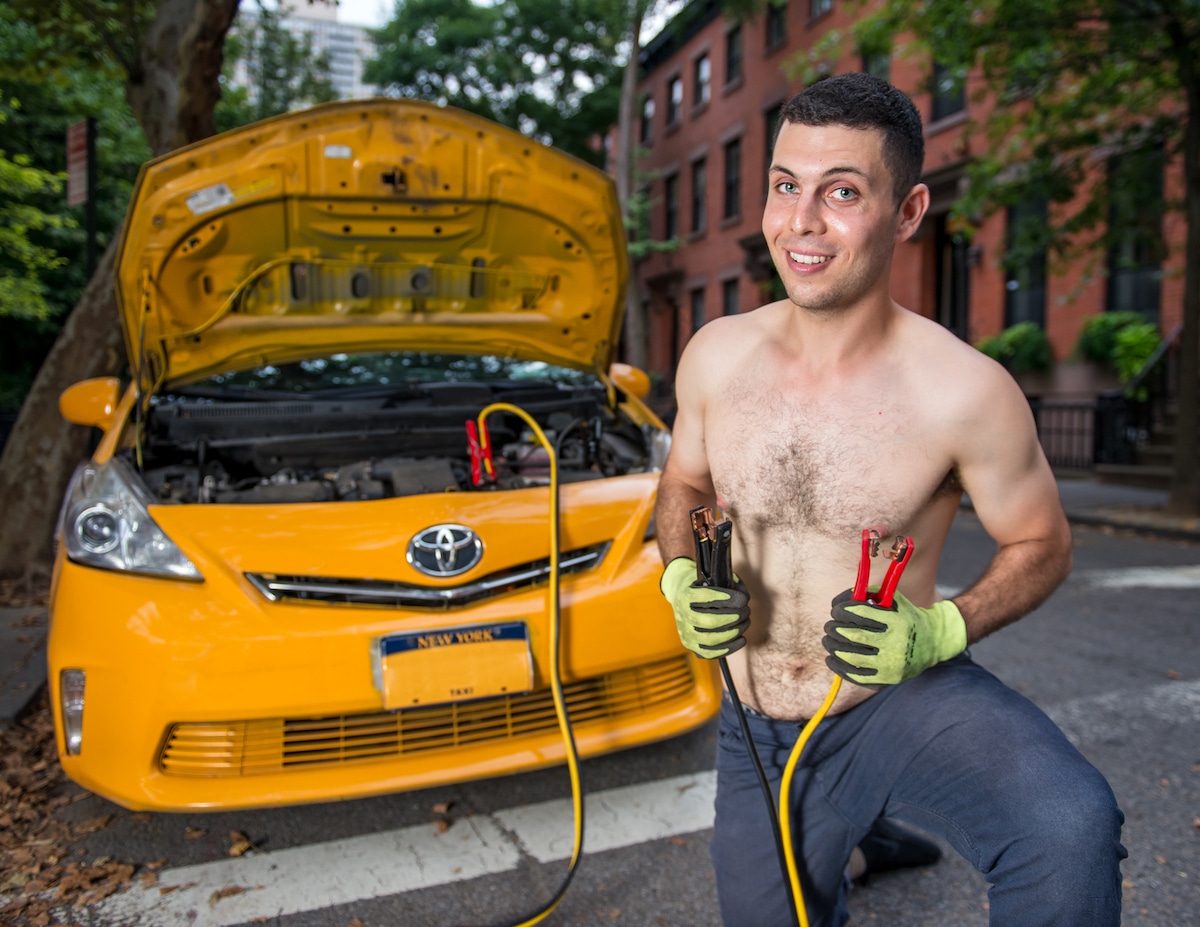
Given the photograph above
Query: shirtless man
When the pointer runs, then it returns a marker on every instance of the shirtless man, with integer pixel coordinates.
(806, 421)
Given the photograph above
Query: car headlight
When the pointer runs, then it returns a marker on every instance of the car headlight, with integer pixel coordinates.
(106, 523)
(659, 443)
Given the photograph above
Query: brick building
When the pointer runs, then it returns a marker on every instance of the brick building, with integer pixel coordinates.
(711, 90)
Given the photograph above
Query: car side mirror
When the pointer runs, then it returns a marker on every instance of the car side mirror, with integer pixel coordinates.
(630, 379)
(91, 402)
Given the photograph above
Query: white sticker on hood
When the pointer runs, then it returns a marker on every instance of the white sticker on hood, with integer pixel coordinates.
(210, 198)
(339, 151)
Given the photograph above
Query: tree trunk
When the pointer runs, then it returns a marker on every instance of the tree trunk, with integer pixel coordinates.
(636, 352)
(173, 91)
(176, 85)
(44, 449)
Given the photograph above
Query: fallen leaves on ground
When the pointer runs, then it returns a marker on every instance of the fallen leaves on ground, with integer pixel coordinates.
(39, 886)
(239, 843)
(441, 816)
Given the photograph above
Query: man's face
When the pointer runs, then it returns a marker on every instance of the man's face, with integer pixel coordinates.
(830, 219)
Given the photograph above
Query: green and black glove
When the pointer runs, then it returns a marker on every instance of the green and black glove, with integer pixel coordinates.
(711, 620)
(882, 646)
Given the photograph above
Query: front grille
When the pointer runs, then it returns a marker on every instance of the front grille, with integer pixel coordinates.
(248, 748)
(280, 588)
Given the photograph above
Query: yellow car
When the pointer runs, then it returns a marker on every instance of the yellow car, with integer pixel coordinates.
(312, 555)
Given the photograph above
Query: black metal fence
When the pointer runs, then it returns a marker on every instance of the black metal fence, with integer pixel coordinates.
(1068, 431)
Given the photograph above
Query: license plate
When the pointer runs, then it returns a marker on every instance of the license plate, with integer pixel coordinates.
(453, 664)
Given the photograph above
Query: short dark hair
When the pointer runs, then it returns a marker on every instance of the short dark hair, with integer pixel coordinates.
(862, 101)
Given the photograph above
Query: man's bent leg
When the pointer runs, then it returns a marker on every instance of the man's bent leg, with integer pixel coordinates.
(998, 780)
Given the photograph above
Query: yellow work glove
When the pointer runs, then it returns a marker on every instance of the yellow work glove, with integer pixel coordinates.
(711, 620)
(882, 646)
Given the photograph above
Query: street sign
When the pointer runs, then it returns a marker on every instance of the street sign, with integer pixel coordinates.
(77, 163)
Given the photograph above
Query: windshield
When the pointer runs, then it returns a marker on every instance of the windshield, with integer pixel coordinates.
(385, 369)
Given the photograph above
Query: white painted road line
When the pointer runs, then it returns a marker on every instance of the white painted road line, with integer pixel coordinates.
(1162, 577)
(616, 818)
(1097, 719)
(319, 875)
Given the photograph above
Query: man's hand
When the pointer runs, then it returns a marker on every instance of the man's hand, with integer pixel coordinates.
(710, 619)
(882, 646)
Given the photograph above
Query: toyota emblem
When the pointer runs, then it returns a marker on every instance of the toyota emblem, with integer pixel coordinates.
(445, 550)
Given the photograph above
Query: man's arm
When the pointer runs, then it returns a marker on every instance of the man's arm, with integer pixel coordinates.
(1001, 464)
(1014, 493)
(686, 481)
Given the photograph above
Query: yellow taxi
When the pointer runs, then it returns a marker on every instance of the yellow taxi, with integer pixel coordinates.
(312, 555)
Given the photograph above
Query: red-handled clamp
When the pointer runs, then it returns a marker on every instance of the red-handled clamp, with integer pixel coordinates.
(482, 468)
(899, 553)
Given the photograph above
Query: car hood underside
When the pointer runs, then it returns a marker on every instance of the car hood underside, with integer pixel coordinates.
(373, 224)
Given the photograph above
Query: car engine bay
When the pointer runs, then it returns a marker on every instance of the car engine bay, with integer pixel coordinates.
(381, 443)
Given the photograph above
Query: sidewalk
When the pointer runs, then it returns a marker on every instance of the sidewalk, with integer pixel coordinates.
(23, 630)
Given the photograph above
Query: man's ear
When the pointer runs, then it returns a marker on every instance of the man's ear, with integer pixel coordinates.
(911, 212)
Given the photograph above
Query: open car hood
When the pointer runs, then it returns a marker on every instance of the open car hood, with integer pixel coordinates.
(372, 224)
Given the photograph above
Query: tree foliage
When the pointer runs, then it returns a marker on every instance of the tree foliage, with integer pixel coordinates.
(282, 71)
(44, 87)
(548, 68)
(24, 262)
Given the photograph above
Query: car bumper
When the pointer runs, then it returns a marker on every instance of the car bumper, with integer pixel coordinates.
(202, 696)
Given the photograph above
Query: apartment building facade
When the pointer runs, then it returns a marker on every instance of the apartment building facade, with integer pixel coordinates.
(711, 92)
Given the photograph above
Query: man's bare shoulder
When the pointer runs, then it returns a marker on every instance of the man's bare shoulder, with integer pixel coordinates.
(947, 363)
(730, 336)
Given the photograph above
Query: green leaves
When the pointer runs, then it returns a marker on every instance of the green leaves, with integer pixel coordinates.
(548, 68)
(25, 261)
(282, 71)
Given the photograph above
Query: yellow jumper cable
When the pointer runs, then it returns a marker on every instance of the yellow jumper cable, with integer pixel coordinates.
(560, 703)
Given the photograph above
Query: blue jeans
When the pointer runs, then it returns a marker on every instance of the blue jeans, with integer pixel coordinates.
(954, 752)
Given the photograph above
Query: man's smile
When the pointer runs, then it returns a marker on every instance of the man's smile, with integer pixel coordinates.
(798, 258)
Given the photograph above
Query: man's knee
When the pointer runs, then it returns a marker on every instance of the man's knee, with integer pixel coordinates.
(1075, 827)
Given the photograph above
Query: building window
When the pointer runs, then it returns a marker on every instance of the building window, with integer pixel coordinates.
(877, 61)
(729, 297)
(674, 99)
(671, 204)
(699, 182)
(1025, 263)
(818, 8)
(732, 201)
(697, 297)
(1135, 218)
(733, 55)
(702, 86)
(645, 134)
(776, 25)
(949, 92)
(771, 127)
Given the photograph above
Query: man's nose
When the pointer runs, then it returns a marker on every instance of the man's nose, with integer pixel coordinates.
(806, 215)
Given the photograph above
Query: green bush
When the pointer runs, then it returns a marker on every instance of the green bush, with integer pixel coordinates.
(1134, 345)
(1021, 348)
(1098, 338)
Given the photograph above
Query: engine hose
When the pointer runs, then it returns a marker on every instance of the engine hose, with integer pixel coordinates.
(555, 668)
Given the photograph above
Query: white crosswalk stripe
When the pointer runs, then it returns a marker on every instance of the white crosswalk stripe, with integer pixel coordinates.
(316, 876)
(1156, 577)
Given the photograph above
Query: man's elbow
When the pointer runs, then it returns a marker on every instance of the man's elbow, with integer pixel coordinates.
(1063, 557)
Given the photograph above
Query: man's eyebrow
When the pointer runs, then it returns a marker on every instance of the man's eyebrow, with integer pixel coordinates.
(830, 172)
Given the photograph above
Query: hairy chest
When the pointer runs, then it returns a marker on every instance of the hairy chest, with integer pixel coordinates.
(830, 465)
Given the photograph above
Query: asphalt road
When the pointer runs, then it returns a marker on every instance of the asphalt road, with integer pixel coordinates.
(1114, 657)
